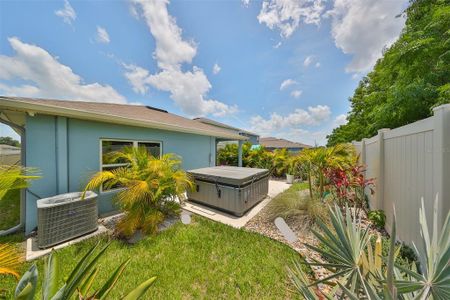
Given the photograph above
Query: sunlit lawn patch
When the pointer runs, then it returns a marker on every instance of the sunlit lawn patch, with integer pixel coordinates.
(201, 260)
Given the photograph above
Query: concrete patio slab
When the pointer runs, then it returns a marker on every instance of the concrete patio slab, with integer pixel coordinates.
(33, 251)
(275, 187)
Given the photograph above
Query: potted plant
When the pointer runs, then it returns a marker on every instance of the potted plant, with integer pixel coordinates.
(290, 170)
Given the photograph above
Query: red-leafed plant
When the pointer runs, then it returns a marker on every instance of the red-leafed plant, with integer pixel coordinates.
(348, 186)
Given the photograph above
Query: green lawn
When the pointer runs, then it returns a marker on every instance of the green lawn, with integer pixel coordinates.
(204, 259)
(10, 210)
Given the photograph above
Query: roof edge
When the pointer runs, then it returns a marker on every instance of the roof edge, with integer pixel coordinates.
(27, 106)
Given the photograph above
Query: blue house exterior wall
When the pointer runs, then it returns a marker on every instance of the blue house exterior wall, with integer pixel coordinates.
(67, 152)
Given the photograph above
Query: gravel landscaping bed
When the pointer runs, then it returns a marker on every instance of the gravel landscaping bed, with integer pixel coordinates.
(262, 224)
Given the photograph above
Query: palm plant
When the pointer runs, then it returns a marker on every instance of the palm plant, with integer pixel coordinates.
(79, 282)
(9, 260)
(12, 177)
(316, 161)
(152, 188)
(15, 177)
(280, 156)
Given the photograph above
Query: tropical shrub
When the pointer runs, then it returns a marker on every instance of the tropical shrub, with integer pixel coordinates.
(152, 188)
(280, 162)
(79, 283)
(15, 177)
(277, 161)
(358, 271)
(228, 156)
(10, 260)
(348, 186)
(12, 178)
(316, 161)
(377, 217)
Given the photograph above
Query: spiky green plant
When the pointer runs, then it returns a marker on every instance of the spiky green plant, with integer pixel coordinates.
(151, 187)
(365, 278)
(434, 278)
(79, 283)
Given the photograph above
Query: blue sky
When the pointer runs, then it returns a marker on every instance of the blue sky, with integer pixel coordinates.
(279, 68)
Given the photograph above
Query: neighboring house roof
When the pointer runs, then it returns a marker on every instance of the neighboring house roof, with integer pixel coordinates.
(222, 125)
(271, 142)
(126, 114)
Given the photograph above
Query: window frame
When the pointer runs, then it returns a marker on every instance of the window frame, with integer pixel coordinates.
(135, 144)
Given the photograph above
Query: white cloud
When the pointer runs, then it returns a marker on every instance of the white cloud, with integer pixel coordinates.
(188, 89)
(171, 50)
(286, 83)
(67, 13)
(340, 120)
(102, 35)
(317, 64)
(277, 45)
(364, 28)
(246, 2)
(311, 117)
(308, 60)
(47, 77)
(296, 93)
(286, 15)
(216, 69)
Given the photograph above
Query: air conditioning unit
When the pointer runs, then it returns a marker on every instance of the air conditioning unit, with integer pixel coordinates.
(66, 216)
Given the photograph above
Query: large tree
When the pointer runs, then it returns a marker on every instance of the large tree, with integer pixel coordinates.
(7, 140)
(411, 78)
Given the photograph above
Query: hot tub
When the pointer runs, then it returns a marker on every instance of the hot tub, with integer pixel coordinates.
(232, 189)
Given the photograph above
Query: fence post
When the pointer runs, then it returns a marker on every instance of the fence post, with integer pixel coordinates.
(363, 152)
(441, 160)
(379, 180)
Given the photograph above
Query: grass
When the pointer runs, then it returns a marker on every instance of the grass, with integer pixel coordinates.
(293, 203)
(10, 210)
(202, 260)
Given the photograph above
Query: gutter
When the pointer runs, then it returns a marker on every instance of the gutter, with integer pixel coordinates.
(85, 115)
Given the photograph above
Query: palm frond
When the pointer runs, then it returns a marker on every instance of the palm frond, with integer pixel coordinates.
(10, 260)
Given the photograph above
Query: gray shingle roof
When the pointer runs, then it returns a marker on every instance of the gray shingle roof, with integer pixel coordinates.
(272, 142)
(134, 115)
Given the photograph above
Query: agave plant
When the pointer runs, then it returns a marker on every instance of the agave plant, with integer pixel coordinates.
(367, 278)
(434, 278)
(151, 187)
(79, 283)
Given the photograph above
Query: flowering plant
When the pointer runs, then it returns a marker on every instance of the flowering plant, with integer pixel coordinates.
(348, 186)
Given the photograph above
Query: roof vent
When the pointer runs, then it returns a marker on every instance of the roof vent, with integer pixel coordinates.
(157, 109)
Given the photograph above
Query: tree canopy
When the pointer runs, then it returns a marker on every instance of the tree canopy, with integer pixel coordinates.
(411, 78)
(7, 140)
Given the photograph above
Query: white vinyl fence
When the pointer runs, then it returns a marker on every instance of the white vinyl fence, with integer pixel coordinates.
(409, 163)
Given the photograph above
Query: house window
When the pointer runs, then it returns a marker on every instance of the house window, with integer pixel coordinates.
(107, 147)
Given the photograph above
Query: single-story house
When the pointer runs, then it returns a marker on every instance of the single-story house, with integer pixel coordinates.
(253, 138)
(272, 143)
(65, 140)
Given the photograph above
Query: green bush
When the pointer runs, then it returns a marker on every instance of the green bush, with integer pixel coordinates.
(278, 162)
(377, 217)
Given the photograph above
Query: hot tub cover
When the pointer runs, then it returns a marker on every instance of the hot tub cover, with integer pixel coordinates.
(234, 176)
